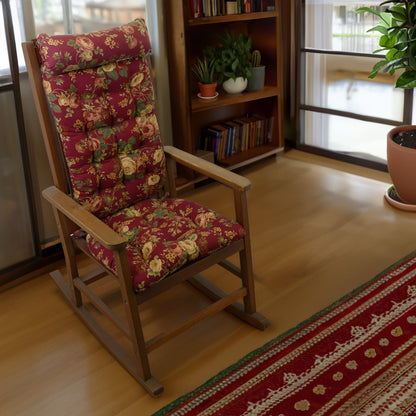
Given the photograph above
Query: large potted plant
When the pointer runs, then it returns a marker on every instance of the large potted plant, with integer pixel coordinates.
(204, 69)
(232, 58)
(397, 29)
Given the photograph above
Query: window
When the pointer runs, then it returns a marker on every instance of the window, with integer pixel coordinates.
(341, 111)
(80, 16)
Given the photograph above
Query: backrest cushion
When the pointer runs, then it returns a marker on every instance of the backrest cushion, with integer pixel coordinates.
(100, 91)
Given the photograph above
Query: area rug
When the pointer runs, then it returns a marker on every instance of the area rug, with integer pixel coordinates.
(356, 357)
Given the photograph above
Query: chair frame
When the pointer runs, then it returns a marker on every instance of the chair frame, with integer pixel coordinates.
(70, 217)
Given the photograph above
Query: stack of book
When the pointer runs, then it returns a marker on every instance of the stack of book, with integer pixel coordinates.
(235, 136)
(206, 8)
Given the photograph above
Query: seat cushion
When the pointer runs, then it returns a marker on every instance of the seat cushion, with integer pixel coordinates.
(164, 235)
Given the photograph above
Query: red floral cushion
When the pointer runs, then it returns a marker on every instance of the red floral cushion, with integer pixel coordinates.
(103, 106)
(165, 234)
(65, 53)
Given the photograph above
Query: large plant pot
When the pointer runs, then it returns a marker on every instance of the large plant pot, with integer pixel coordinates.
(235, 86)
(256, 82)
(401, 162)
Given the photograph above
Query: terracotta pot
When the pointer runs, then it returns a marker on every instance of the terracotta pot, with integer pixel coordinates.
(401, 162)
(207, 90)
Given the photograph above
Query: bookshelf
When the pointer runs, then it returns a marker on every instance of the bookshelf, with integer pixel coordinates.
(187, 36)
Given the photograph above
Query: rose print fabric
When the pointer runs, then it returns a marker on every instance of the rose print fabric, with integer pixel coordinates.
(165, 234)
(100, 92)
(104, 112)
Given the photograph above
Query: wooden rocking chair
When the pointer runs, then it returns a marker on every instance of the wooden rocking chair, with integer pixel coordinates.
(113, 199)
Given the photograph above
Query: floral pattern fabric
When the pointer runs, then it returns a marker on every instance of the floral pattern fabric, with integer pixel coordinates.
(165, 234)
(101, 95)
(105, 115)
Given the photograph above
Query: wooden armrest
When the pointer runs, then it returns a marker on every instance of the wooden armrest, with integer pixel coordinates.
(208, 169)
(84, 219)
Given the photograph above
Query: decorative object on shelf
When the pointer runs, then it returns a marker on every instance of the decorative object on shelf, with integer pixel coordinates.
(204, 69)
(232, 58)
(235, 86)
(397, 39)
(256, 81)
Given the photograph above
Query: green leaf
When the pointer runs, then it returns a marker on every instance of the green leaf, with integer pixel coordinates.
(392, 66)
(376, 68)
(382, 29)
(370, 10)
(399, 13)
(388, 41)
(407, 80)
(392, 54)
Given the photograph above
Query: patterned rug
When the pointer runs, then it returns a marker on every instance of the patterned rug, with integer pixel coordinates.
(357, 357)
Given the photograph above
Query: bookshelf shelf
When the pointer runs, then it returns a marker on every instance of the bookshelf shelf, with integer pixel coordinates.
(230, 99)
(250, 156)
(230, 18)
(187, 37)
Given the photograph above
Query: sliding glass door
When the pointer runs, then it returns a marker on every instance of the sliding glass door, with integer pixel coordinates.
(341, 112)
(19, 239)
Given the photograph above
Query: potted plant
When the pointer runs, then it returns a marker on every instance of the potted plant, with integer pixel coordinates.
(397, 28)
(256, 81)
(232, 58)
(204, 69)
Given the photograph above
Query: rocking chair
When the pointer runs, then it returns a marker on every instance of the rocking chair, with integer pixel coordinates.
(112, 196)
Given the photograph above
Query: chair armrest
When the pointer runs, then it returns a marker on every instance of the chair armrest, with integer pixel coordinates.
(208, 169)
(84, 219)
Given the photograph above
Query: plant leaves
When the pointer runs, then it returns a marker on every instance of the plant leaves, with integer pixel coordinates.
(376, 68)
(407, 80)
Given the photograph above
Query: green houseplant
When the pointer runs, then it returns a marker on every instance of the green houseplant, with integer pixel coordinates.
(232, 58)
(204, 69)
(397, 31)
(256, 81)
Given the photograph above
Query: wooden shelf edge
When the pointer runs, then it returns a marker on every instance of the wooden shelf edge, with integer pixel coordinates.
(223, 98)
(198, 21)
(237, 161)
(249, 156)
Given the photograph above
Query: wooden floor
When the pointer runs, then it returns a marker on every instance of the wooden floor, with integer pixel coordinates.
(320, 228)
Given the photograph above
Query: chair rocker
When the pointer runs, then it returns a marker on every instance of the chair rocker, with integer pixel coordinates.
(114, 195)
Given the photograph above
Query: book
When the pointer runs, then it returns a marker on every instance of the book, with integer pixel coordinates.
(270, 6)
(220, 138)
(231, 127)
(231, 7)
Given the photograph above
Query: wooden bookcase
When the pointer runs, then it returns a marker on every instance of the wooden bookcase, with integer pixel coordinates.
(186, 38)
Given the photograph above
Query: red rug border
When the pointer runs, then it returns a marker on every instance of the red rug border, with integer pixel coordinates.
(182, 399)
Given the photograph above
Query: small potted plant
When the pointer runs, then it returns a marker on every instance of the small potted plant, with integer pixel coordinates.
(204, 69)
(232, 58)
(256, 81)
(397, 29)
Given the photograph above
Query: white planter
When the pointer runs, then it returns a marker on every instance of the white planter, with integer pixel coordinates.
(235, 86)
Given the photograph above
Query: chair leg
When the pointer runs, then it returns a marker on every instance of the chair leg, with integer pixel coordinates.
(247, 276)
(246, 263)
(134, 322)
